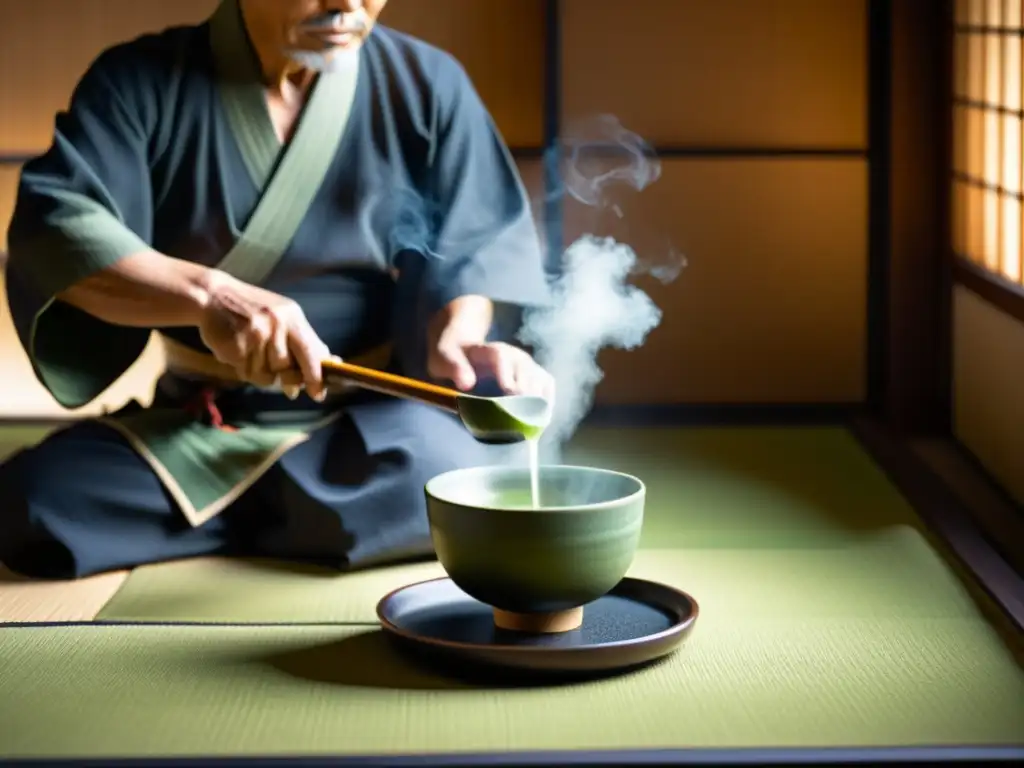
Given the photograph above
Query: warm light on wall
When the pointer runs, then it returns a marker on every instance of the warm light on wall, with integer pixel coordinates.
(988, 153)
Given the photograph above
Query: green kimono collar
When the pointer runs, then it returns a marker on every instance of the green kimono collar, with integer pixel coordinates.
(242, 91)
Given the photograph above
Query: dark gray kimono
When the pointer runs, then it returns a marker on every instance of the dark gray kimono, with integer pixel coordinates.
(395, 195)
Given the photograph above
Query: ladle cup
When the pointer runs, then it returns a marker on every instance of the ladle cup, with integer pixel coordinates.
(491, 420)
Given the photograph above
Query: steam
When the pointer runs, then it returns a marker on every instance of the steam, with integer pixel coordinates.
(602, 155)
(594, 306)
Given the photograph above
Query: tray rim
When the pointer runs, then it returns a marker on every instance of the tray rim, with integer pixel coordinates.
(679, 627)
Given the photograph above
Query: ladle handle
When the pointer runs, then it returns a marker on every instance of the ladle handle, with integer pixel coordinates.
(391, 384)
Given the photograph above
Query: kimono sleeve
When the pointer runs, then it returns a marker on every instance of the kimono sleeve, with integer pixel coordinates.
(81, 206)
(486, 240)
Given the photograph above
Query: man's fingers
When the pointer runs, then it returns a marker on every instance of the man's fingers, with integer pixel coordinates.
(309, 353)
(453, 364)
(257, 335)
(515, 372)
(279, 357)
(290, 383)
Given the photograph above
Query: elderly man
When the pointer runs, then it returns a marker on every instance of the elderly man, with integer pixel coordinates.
(283, 183)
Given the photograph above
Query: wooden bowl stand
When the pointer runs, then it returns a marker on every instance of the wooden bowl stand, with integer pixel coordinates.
(539, 623)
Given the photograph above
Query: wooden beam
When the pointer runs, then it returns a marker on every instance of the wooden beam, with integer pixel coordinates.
(916, 389)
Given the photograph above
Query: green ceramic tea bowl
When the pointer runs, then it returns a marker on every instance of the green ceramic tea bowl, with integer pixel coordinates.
(540, 565)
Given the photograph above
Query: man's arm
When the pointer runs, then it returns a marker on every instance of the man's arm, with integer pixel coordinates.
(144, 290)
(487, 241)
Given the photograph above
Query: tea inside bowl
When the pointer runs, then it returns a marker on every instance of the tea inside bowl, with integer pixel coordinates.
(559, 487)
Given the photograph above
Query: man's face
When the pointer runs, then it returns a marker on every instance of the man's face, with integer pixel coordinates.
(315, 32)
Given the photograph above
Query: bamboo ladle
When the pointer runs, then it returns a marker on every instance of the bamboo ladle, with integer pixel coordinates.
(492, 420)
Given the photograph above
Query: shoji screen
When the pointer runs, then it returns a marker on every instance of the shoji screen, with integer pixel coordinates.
(988, 164)
(758, 111)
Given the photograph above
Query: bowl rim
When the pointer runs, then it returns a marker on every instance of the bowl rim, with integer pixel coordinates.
(595, 506)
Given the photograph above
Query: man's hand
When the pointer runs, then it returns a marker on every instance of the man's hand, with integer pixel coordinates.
(460, 353)
(511, 367)
(263, 336)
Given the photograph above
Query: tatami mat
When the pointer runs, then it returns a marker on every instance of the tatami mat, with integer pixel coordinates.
(27, 600)
(743, 679)
(15, 437)
(740, 487)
